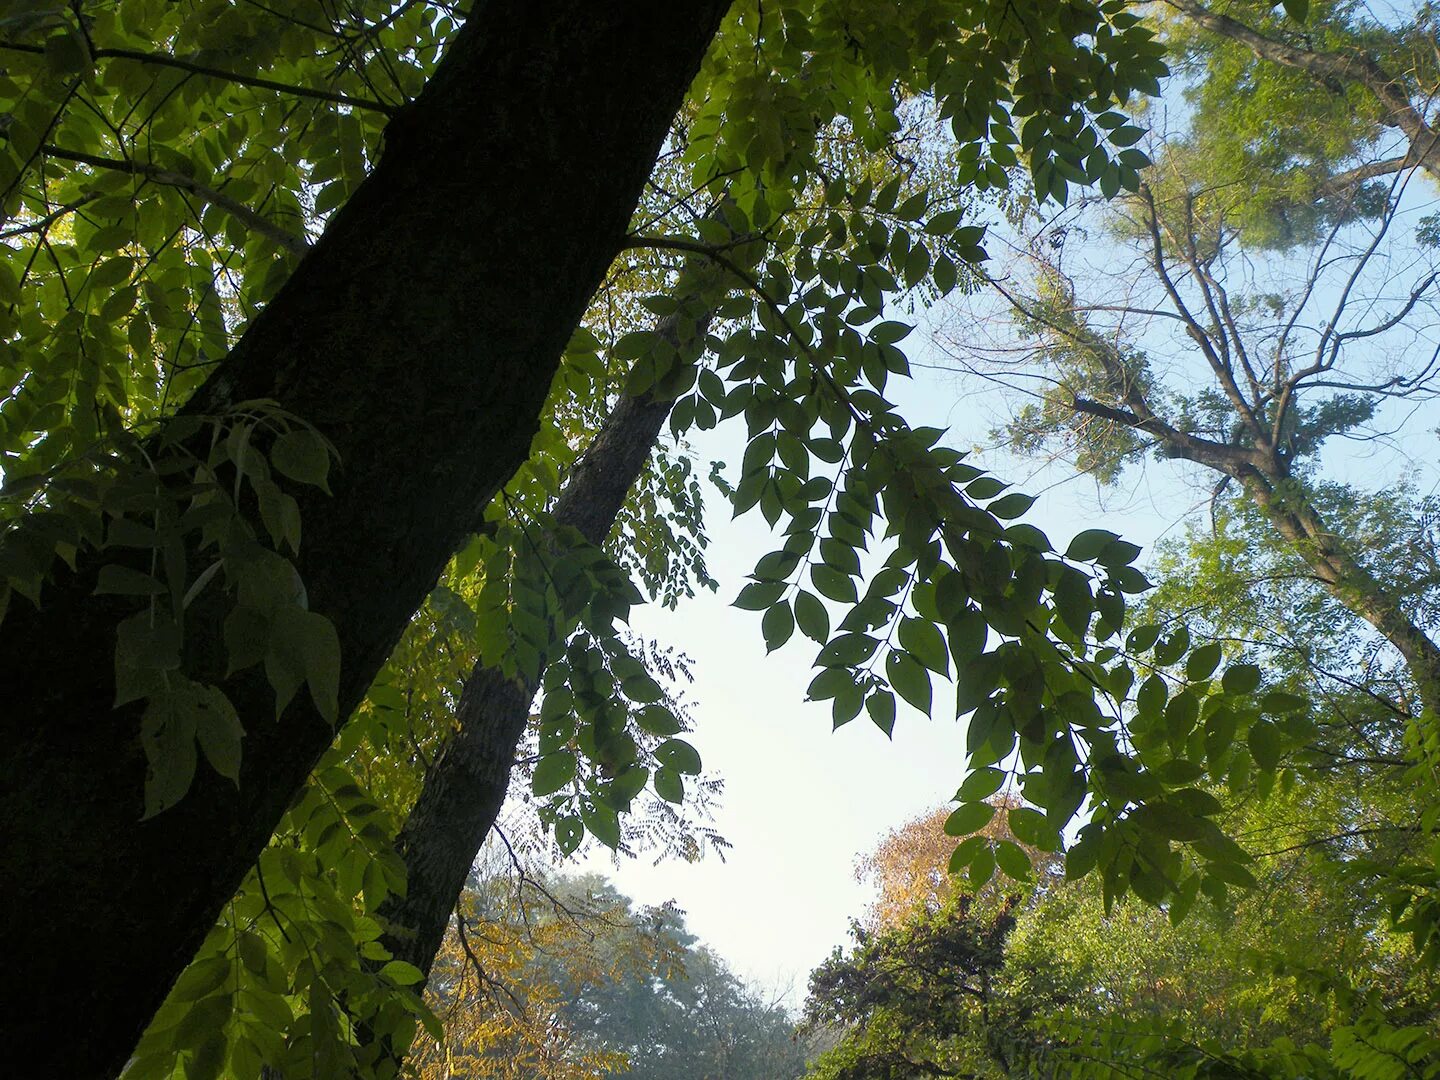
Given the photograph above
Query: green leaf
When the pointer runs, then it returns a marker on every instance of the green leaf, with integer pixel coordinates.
(679, 755)
(1011, 506)
(1299, 10)
(123, 581)
(1169, 821)
(981, 784)
(777, 626)
(603, 824)
(847, 650)
(759, 595)
(1118, 553)
(881, 707)
(1013, 860)
(305, 643)
(554, 771)
(1203, 662)
(1278, 701)
(247, 637)
(832, 584)
(1142, 637)
(969, 818)
(1181, 712)
(1074, 602)
(167, 733)
(811, 617)
(569, 831)
(1033, 828)
(402, 973)
(1150, 700)
(910, 680)
(669, 785)
(304, 456)
(982, 867)
(923, 640)
(202, 978)
(1081, 858)
(146, 646)
(642, 689)
(887, 333)
(218, 730)
(658, 720)
(1232, 874)
(1265, 744)
(208, 1059)
(1173, 647)
(1087, 545)
(1241, 679)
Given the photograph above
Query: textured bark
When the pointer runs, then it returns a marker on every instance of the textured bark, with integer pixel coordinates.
(465, 787)
(420, 335)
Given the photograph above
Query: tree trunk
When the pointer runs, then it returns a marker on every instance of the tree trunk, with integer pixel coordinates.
(420, 335)
(465, 786)
(1350, 583)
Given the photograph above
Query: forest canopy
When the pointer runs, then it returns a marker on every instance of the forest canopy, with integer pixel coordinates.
(351, 356)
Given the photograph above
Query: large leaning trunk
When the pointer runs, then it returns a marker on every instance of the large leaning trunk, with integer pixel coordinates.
(420, 335)
(465, 786)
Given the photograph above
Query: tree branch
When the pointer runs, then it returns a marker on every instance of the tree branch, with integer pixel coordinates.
(165, 60)
(1342, 182)
(1352, 66)
(296, 245)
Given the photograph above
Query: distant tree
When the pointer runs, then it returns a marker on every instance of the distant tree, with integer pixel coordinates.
(909, 867)
(1322, 103)
(920, 999)
(1196, 352)
(562, 979)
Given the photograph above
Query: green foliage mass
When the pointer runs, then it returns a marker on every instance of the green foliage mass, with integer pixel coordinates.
(1276, 144)
(1301, 977)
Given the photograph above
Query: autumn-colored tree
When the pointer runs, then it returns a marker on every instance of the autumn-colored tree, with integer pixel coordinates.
(509, 972)
(562, 979)
(910, 867)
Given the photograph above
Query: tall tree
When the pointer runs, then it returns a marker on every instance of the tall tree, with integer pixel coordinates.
(1329, 86)
(472, 232)
(1275, 389)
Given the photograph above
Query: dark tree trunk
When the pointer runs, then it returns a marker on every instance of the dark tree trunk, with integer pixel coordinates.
(465, 787)
(420, 335)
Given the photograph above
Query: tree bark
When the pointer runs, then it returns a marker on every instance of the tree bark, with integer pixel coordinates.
(420, 335)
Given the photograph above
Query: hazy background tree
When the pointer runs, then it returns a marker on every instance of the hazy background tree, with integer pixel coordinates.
(562, 977)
